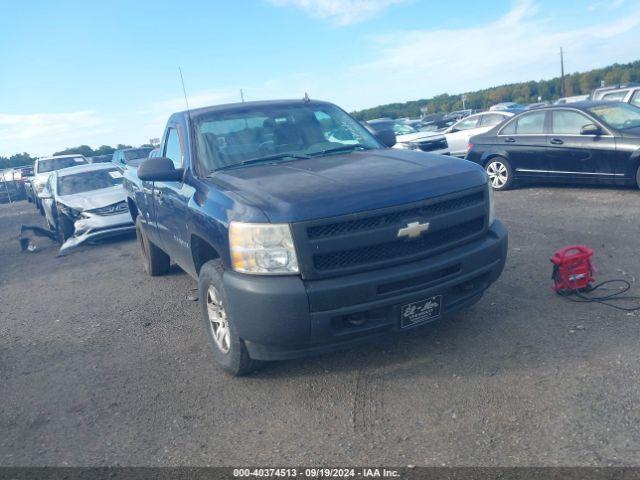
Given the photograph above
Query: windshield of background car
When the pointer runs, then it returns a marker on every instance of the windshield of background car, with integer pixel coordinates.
(57, 163)
(403, 128)
(87, 181)
(233, 137)
(137, 153)
(618, 116)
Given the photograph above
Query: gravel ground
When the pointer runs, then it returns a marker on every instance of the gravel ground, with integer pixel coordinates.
(102, 365)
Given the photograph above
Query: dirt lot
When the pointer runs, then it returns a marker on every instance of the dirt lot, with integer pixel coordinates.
(100, 364)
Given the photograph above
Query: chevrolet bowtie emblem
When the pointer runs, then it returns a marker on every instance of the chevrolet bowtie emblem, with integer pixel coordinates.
(413, 229)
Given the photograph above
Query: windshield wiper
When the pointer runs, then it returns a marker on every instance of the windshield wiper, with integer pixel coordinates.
(253, 161)
(342, 148)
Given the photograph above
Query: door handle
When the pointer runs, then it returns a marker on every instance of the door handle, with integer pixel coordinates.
(510, 140)
(556, 141)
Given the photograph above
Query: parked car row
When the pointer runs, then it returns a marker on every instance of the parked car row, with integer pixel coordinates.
(83, 199)
(450, 141)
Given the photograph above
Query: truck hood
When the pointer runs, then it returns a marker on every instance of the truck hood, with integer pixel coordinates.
(93, 198)
(339, 184)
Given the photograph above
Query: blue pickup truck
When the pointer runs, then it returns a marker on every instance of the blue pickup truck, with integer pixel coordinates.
(306, 232)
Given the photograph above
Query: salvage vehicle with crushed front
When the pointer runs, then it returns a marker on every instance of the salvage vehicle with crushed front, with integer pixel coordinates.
(302, 241)
(86, 202)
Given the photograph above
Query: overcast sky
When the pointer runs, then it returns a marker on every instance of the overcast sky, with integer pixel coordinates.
(78, 72)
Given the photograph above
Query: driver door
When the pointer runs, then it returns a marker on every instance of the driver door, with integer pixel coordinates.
(170, 200)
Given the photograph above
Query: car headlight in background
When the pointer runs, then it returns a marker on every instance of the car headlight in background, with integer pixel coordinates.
(407, 146)
(114, 209)
(262, 248)
(492, 213)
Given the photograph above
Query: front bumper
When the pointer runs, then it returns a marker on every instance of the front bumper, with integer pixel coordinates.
(286, 317)
(95, 227)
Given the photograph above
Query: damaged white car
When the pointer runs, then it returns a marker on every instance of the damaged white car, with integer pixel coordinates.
(86, 202)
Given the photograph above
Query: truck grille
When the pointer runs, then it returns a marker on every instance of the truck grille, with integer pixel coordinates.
(361, 241)
(396, 249)
(392, 218)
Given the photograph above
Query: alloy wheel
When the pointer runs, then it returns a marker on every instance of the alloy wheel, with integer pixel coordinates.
(218, 320)
(498, 174)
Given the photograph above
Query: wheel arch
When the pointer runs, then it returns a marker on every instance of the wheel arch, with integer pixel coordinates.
(493, 154)
(201, 252)
(133, 209)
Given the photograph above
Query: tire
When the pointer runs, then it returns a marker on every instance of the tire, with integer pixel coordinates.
(155, 261)
(638, 177)
(500, 173)
(229, 350)
(64, 228)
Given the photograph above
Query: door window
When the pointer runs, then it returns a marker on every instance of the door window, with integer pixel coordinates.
(615, 96)
(466, 124)
(492, 119)
(636, 99)
(530, 123)
(173, 149)
(566, 122)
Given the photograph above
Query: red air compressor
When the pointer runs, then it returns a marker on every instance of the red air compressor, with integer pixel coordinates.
(572, 269)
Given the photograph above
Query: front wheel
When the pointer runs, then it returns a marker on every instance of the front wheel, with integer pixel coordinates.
(64, 228)
(500, 173)
(229, 350)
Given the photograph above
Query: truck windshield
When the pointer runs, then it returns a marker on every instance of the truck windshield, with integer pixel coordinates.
(58, 163)
(87, 181)
(245, 135)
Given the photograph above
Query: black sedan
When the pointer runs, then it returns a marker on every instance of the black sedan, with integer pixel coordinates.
(583, 142)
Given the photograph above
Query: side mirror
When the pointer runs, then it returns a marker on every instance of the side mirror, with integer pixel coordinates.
(159, 169)
(387, 137)
(591, 129)
(451, 130)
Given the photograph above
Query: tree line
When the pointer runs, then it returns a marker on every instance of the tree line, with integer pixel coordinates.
(524, 92)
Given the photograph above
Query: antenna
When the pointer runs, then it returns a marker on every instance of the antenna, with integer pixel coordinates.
(184, 90)
(242, 95)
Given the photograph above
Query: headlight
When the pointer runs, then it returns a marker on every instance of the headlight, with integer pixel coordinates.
(69, 212)
(407, 146)
(492, 213)
(262, 248)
